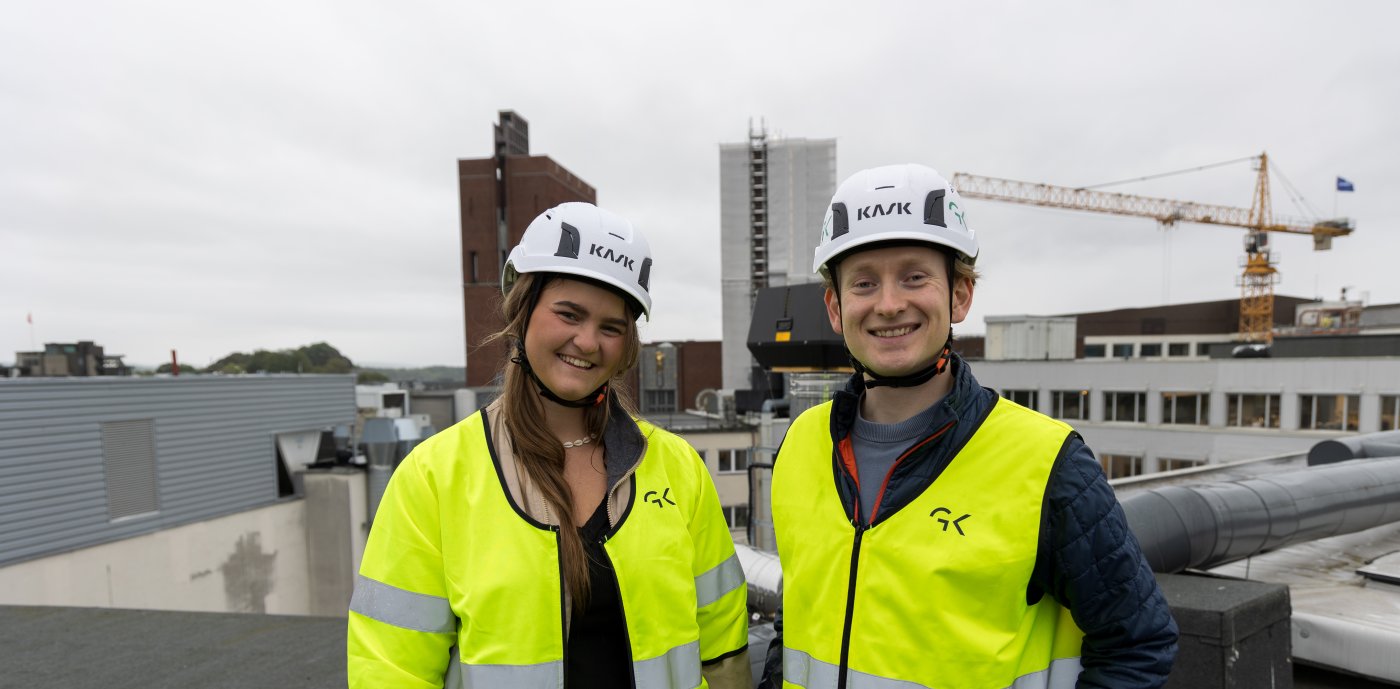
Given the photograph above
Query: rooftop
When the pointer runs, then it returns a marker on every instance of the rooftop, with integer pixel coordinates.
(105, 648)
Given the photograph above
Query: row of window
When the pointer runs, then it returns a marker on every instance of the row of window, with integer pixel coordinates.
(1120, 465)
(656, 401)
(1128, 350)
(1246, 410)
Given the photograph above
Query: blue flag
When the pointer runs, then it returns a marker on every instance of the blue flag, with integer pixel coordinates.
(1344, 185)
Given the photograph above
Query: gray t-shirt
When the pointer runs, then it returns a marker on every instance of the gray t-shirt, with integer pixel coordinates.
(876, 447)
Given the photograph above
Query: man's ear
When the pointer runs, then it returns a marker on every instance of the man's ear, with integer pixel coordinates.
(962, 300)
(833, 309)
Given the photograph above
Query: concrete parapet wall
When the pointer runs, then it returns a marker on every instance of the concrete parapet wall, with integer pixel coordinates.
(251, 561)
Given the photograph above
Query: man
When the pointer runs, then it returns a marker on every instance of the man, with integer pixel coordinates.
(932, 534)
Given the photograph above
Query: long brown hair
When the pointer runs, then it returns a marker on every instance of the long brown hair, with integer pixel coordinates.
(532, 443)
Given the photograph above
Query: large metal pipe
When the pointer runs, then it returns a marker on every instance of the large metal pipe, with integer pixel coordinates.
(1211, 524)
(765, 577)
(1383, 444)
(381, 444)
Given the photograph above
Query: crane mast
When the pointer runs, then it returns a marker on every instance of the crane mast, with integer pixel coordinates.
(1260, 273)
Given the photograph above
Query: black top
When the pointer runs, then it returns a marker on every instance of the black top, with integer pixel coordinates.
(598, 653)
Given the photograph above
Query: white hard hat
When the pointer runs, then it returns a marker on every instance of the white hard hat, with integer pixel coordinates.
(584, 240)
(904, 203)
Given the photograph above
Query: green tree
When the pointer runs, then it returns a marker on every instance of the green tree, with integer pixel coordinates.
(320, 357)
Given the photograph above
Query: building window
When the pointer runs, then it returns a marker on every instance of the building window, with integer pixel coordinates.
(733, 461)
(1179, 349)
(1173, 463)
(1125, 406)
(1252, 411)
(737, 516)
(1025, 398)
(1151, 349)
(1202, 349)
(1118, 466)
(1191, 408)
(1095, 351)
(1329, 412)
(658, 401)
(1070, 405)
(1122, 351)
(1390, 412)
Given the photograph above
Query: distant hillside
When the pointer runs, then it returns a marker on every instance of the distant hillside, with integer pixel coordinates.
(313, 358)
(322, 357)
(426, 374)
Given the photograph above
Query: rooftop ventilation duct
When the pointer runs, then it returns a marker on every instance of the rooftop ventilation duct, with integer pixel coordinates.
(1210, 524)
(1385, 444)
(409, 436)
(765, 577)
(381, 441)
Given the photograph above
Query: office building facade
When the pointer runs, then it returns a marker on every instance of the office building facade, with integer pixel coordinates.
(773, 195)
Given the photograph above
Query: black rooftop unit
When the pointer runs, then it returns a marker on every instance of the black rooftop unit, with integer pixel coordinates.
(790, 331)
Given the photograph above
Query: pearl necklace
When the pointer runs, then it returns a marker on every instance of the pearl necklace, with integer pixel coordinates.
(578, 443)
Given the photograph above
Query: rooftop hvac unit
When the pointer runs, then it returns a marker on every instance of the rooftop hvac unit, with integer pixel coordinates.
(790, 331)
(716, 402)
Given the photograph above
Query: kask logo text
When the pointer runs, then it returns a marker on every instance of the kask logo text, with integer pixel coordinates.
(614, 256)
(893, 208)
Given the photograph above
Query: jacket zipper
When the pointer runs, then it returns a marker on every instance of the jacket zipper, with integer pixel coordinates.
(612, 490)
(626, 635)
(617, 585)
(861, 526)
(850, 609)
(563, 608)
(857, 521)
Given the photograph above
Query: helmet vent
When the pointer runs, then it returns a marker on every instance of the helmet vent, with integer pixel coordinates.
(933, 208)
(568, 241)
(887, 186)
(840, 224)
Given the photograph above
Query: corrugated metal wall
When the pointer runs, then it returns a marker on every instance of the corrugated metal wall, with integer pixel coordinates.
(214, 450)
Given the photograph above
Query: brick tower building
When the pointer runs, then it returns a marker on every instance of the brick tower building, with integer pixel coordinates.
(499, 197)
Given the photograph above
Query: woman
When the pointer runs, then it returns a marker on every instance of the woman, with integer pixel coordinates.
(551, 539)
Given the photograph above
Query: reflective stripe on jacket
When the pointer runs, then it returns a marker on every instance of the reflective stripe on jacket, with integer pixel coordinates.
(459, 583)
(933, 595)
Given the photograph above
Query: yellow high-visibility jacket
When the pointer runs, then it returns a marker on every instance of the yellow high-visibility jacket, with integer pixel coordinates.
(460, 581)
(934, 595)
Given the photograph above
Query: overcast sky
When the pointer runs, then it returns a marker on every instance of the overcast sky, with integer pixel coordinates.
(217, 177)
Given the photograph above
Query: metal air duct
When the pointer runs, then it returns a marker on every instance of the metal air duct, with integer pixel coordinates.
(381, 441)
(1211, 524)
(765, 577)
(1385, 444)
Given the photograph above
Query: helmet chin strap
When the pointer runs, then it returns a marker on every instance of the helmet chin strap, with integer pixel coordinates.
(921, 376)
(592, 399)
(910, 380)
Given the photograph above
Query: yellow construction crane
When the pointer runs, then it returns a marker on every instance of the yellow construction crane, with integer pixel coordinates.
(1260, 274)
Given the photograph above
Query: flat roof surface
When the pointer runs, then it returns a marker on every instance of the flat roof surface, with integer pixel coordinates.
(104, 648)
(108, 648)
